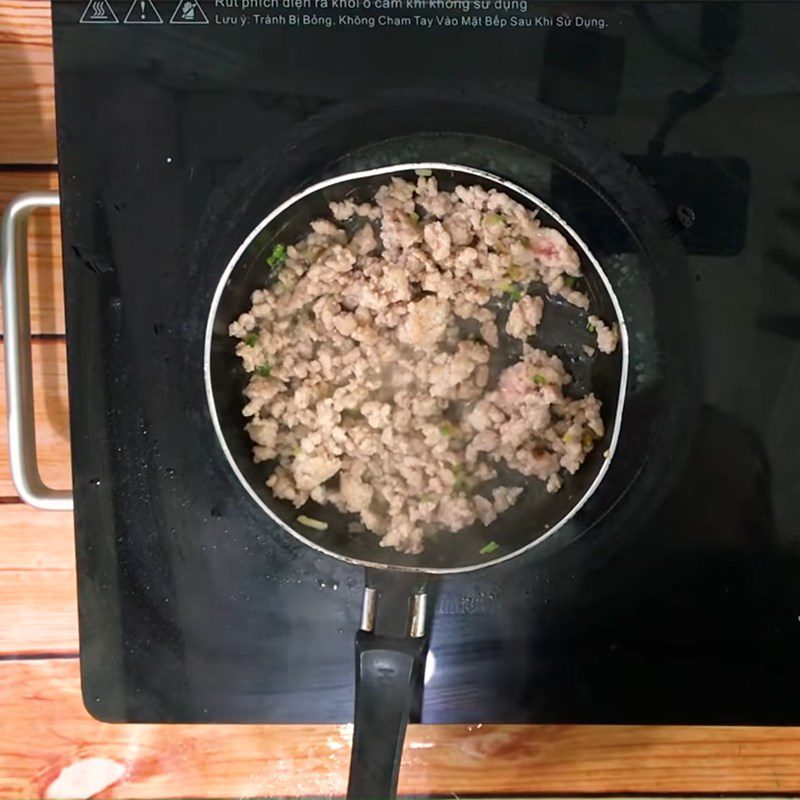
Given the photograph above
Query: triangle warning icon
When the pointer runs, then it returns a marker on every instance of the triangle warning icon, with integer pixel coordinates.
(97, 11)
(189, 12)
(143, 12)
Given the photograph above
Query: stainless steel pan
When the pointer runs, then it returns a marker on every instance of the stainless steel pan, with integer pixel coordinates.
(391, 644)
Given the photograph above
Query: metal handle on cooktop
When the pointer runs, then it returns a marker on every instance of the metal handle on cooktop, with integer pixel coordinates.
(17, 335)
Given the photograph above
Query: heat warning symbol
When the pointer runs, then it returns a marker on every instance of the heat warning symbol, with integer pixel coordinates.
(99, 11)
(143, 12)
(189, 12)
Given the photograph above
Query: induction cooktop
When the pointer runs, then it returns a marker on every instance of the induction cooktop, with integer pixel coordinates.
(664, 132)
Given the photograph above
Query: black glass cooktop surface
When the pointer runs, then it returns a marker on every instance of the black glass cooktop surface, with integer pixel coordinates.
(665, 133)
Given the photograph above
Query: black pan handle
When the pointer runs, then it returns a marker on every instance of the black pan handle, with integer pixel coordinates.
(390, 650)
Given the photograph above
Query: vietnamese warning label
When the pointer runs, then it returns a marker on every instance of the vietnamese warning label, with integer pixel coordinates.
(396, 14)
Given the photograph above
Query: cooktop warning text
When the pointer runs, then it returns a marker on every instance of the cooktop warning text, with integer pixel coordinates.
(371, 14)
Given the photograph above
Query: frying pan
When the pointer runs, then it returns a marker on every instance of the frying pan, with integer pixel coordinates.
(391, 643)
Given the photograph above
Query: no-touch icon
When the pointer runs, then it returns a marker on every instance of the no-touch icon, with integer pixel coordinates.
(98, 11)
(189, 12)
(143, 12)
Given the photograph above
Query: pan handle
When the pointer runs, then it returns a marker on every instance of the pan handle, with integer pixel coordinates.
(19, 374)
(390, 650)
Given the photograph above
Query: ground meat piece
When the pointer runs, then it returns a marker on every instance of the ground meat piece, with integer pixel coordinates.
(553, 250)
(460, 226)
(348, 209)
(607, 335)
(438, 241)
(489, 332)
(259, 392)
(437, 204)
(395, 285)
(425, 323)
(377, 414)
(456, 512)
(399, 230)
(554, 483)
(403, 535)
(504, 497)
(368, 385)
(311, 471)
(337, 259)
(525, 316)
(327, 229)
(472, 196)
(485, 509)
(356, 495)
(456, 369)
(364, 241)
(537, 461)
(575, 297)
(242, 326)
(263, 431)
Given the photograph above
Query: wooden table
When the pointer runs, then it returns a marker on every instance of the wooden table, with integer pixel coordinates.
(51, 747)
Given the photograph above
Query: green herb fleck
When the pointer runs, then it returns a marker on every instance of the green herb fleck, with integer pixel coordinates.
(539, 380)
(447, 430)
(264, 370)
(460, 484)
(251, 340)
(512, 290)
(590, 327)
(278, 256)
(413, 217)
(424, 173)
(569, 281)
(489, 548)
(494, 219)
(428, 498)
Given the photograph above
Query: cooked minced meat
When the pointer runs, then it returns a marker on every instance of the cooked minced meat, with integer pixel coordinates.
(524, 317)
(370, 361)
(607, 335)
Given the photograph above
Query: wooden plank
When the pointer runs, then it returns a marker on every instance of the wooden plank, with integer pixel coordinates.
(38, 612)
(31, 539)
(38, 602)
(52, 417)
(44, 251)
(27, 95)
(47, 731)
